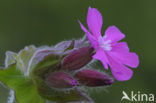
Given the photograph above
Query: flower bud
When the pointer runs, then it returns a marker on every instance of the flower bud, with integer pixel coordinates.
(93, 78)
(78, 58)
(60, 80)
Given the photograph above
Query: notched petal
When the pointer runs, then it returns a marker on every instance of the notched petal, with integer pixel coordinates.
(94, 21)
(114, 34)
(119, 71)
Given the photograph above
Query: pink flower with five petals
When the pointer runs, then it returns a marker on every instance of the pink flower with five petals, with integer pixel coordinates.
(108, 48)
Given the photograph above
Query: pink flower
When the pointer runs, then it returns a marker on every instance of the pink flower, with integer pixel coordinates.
(109, 50)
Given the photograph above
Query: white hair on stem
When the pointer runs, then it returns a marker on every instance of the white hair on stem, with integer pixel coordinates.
(11, 97)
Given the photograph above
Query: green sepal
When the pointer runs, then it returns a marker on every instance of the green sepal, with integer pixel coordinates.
(22, 59)
(71, 46)
(25, 55)
(44, 64)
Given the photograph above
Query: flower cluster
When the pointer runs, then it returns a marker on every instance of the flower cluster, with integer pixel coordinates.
(60, 73)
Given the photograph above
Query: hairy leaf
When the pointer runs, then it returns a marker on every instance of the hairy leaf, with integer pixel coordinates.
(25, 90)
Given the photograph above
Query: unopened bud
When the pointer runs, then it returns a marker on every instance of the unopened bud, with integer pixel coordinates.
(93, 78)
(78, 58)
(60, 80)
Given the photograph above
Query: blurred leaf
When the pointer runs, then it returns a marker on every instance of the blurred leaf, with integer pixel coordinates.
(25, 91)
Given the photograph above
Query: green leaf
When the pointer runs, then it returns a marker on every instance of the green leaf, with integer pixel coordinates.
(25, 90)
(27, 93)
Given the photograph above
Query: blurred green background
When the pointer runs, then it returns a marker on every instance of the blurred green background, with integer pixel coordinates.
(46, 22)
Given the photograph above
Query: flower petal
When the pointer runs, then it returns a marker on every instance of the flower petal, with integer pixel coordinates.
(113, 33)
(100, 55)
(92, 39)
(94, 21)
(120, 53)
(121, 46)
(119, 71)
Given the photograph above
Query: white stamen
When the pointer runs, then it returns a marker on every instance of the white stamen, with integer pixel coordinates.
(105, 44)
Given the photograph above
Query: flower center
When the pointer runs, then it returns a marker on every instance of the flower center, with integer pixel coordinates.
(105, 45)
